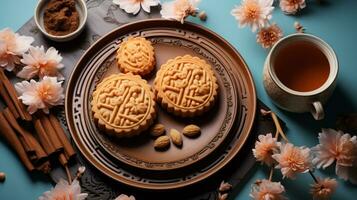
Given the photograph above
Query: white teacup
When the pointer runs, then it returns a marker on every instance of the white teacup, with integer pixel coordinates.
(297, 101)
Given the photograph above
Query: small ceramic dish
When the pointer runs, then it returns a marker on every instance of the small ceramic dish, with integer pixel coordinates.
(39, 15)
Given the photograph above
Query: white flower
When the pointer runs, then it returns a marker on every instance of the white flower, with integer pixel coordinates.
(39, 63)
(133, 6)
(179, 9)
(340, 147)
(40, 95)
(12, 45)
(64, 191)
(125, 197)
(255, 13)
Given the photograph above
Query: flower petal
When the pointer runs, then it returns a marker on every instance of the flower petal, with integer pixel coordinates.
(27, 72)
(23, 43)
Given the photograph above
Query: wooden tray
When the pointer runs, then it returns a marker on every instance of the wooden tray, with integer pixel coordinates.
(229, 121)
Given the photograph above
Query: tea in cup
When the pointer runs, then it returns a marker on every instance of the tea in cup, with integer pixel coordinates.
(300, 74)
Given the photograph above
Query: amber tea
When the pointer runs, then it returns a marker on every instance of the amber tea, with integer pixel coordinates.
(301, 66)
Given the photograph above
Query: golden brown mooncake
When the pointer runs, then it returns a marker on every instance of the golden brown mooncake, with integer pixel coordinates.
(136, 55)
(123, 105)
(186, 86)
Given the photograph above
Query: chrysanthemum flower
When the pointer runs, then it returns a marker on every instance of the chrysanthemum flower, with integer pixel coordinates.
(12, 45)
(268, 36)
(40, 95)
(324, 189)
(224, 187)
(293, 160)
(267, 190)
(292, 6)
(179, 9)
(340, 147)
(39, 63)
(255, 13)
(65, 191)
(133, 6)
(264, 148)
(125, 197)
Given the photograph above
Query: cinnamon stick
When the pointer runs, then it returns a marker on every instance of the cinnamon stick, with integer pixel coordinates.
(68, 149)
(8, 101)
(42, 136)
(8, 133)
(26, 138)
(13, 96)
(62, 159)
(27, 143)
(50, 131)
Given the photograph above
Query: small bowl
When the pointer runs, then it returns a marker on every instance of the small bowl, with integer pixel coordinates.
(82, 11)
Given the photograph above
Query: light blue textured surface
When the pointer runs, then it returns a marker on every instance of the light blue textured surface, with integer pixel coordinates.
(335, 22)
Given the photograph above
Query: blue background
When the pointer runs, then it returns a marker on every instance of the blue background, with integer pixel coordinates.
(334, 21)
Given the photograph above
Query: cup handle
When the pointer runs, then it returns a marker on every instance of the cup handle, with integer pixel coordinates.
(317, 110)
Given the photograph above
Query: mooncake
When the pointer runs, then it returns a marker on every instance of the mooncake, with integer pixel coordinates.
(123, 105)
(186, 86)
(136, 55)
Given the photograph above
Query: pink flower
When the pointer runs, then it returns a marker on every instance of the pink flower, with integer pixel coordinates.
(337, 146)
(40, 63)
(265, 147)
(292, 160)
(179, 9)
(324, 189)
(268, 36)
(267, 190)
(40, 95)
(292, 6)
(12, 45)
(133, 6)
(224, 187)
(255, 13)
(64, 191)
(125, 197)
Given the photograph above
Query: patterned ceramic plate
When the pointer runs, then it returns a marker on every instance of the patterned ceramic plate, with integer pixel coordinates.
(231, 117)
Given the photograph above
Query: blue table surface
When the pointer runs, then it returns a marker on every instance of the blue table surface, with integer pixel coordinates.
(334, 22)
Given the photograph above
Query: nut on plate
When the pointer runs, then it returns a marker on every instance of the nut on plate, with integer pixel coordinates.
(157, 130)
(176, 138)
(162, 142)
(191, 130)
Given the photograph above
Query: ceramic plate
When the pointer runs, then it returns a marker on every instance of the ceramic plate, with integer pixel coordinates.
(230, 119)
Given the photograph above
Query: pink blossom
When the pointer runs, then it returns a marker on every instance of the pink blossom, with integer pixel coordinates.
(40, 95)
(268, 36)
(264, 148)
(267, 190)
(323, 189)
(64, 191)
(340, 147)
(293, 160)
(125, 197)
(255, 13)
(39, 63)
(12, 45)
(133, 6)
(292, 6)
(179, 9)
